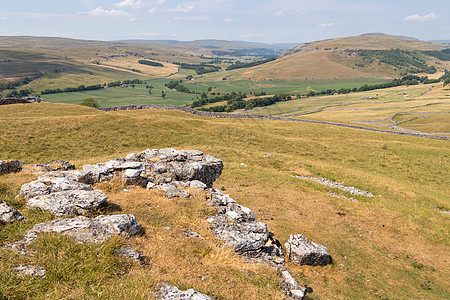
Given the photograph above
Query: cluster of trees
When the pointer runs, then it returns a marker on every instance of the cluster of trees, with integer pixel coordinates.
(409, 60)
(150, 63)
(444, 54)
(446, 78)
(199, 68)
(18, 94)
(91, 102)
(91, 87)
(240, 65)
(406, 80)
(72, 89)
(13, 84)
(177, 86)
(236, 101)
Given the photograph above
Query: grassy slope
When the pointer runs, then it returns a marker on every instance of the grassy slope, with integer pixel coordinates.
(393, 246)
(314, 62)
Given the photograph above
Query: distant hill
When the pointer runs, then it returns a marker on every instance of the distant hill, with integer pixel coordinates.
(441, 41)
(367, 55)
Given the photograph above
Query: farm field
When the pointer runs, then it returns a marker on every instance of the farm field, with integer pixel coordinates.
(390, 246)
(412, 106)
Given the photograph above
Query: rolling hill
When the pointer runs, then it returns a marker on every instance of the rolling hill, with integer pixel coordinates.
(369, 55)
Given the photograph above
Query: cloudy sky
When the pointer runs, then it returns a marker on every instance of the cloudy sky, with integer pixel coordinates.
(251, 20)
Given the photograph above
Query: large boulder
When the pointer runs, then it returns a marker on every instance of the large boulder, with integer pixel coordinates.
(181, 165)
(170, 292)
(9, 214)
(82, 229)
(69, 203)
(57, 165)
(10, 166)
(303, 252)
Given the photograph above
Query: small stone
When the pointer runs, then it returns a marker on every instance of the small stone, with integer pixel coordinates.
(169, 292)
(9, 214)
(30, 271)
(150, 185)
(10, 166)
(172, 191)
(303, 252)
(196, 184)
(128, 252)
(192, 234)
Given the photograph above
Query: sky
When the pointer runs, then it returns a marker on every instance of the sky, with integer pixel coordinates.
(268, 21)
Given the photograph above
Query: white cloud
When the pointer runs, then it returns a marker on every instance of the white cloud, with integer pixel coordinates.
(252, 35)
(3, 18)
(193, 18)
(182, 8)
(161, 1)
(416, 17)
(100, 11)
(324, 25)
(153, 10)
(128, 3)
(278, 13)
(229, 20)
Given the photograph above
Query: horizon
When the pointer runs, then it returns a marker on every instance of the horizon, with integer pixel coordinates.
(266, 21)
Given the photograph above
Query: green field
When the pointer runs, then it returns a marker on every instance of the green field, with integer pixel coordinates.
(391, 246)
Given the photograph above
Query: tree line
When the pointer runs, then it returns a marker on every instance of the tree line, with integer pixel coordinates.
(82, 87)
(199, 68)
(150, 63)
(240, 65)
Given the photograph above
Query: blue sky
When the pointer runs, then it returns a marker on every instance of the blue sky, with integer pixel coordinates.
(252, 20)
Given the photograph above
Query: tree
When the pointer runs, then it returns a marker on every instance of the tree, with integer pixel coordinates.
(149, 89)
(91, 102)
(163, 95)
(133, 85)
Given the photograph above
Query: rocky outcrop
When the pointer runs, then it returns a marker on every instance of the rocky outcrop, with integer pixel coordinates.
(57, 165)
(69, 203)
(10, 166)
(9, 214)
(82, 229)
(238, 227)
(48, 184)
(30, 271)
(303, 252)
(170, 292)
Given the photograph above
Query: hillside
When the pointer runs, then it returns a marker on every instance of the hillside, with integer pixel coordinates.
(390, 246)
(367, 55)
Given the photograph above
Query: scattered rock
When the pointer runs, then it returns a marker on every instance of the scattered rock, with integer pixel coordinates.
(244, 165)
(268, 155)
(82, 229)
(57, 165)
(352, 190)
(9, 214)
(197, 184)
(69, 203)
(342, 196)
(192, 234)
(171, 191)
(170, 292)
(30, 271)
(303, 252)
(291, 287)
(10, 166)
(128, 252)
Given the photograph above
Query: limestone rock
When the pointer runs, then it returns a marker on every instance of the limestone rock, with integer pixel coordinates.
(172, 191)
(82, 229)
(9, 214)
(57, 165)
(30, 271)
(10, 166)
(169, 292)
(69, 203)
(291, 287)
(128, 252)
(193, 234)
(196, 184)
(182, 165)
(243, 237)
(218, 198)
(48, 184)
(303, 252)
